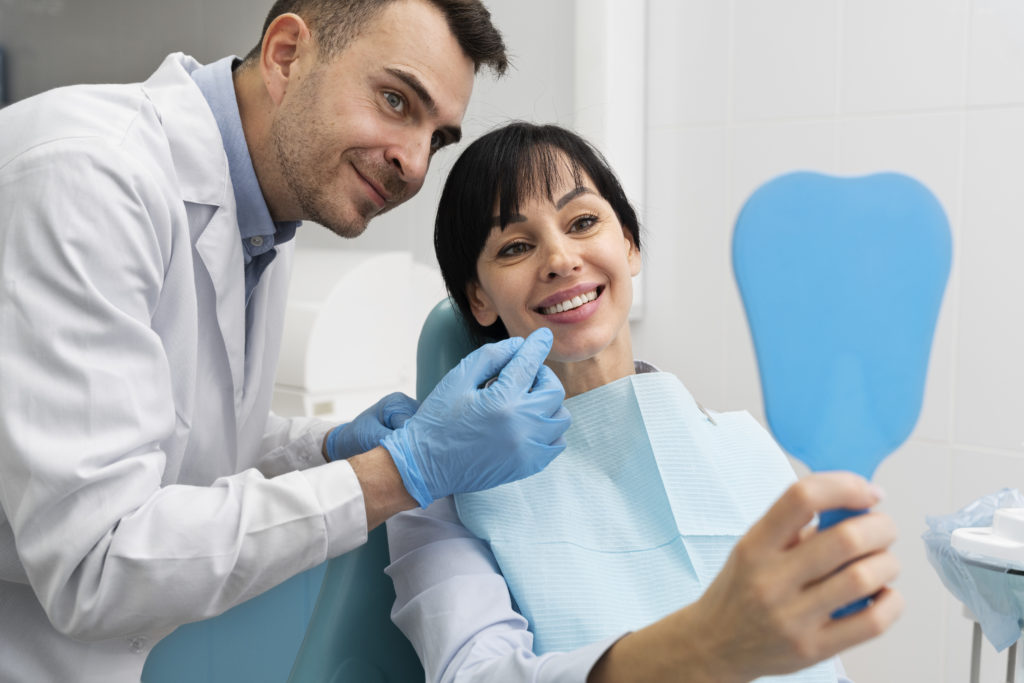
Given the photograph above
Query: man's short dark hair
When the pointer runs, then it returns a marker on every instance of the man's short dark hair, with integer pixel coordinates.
(335, 23)
(507, 166)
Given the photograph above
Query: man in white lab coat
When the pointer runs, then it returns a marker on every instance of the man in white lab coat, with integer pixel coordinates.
(144, 261)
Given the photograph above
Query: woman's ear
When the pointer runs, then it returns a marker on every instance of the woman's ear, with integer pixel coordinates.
(287, 44)
(632, 253)
(481, 305)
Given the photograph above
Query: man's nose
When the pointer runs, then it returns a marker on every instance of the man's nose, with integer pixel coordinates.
(411, 159)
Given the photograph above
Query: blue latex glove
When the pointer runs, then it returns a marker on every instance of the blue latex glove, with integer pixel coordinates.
(366, 431)
(467, 438)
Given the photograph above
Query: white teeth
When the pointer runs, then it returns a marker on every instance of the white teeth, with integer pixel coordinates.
(570, 304)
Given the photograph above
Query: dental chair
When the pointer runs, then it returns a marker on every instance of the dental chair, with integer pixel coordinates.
(350, 636)
(242, 645)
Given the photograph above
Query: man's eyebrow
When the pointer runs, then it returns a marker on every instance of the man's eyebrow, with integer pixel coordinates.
(454, 133)
(571, 195)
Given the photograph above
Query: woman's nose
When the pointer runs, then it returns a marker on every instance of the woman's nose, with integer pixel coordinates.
(562, 261)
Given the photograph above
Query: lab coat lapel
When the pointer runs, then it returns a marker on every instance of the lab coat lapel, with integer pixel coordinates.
(220, 249)
(203, 177)
(256, 339)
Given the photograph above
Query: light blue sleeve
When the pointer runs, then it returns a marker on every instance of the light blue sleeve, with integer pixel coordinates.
(453, 605)
(841, 672)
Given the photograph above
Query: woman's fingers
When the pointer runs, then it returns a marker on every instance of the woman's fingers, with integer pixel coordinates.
(840, 634)
(781, 526)
(862, 578)
(823, 553)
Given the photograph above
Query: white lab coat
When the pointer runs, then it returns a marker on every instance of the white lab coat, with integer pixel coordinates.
(133, 409)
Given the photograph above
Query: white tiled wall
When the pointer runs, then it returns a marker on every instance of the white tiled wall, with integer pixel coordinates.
(742, 90)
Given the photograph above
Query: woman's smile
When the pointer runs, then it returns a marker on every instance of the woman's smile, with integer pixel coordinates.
(571, 300)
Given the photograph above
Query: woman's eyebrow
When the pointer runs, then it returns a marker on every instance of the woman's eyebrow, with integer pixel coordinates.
(571, 195)
(566, 198)
(514, 218)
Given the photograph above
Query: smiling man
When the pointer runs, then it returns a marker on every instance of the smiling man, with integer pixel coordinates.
(144, 261)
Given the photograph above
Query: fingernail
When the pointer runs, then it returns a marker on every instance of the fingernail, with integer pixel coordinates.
(877, 491)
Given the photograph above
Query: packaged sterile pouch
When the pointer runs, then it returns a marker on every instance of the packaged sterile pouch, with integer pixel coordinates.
(993, 590)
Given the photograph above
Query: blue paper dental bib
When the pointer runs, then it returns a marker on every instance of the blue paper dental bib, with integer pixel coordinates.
(635, 518)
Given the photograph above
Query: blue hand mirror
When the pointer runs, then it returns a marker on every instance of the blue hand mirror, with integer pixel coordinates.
(842, 279)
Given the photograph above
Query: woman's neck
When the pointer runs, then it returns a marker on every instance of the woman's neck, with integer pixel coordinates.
(610, 364)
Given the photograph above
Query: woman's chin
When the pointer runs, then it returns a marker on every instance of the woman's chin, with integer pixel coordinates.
(574, 352)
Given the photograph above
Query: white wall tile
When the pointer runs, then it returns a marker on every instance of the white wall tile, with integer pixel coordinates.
(990, 366)
(785, 58)
(688, 61)
(901, 55)
(977, 473)
(916, 480)
(925, 146)
(685, 257)
(996, 53)
(928, 148)
(761, 152)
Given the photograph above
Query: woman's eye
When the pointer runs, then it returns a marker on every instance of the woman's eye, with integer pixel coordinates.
(583, 223)
(514, 249)
(394, 101)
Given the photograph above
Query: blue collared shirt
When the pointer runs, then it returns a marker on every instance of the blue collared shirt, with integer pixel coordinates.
(259, 233)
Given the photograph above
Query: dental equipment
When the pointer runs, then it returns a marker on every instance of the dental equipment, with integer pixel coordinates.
(842, 279)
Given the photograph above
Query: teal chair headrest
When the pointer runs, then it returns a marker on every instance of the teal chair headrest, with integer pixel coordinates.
(350, 635)
(444, 341)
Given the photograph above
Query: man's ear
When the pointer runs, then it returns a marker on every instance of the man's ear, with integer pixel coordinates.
(288, 49)
(481, 305)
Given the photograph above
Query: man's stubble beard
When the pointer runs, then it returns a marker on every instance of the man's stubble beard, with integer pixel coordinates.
(304, 162)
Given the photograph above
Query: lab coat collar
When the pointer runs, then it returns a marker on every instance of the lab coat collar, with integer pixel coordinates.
(187, 120)
(203, 177)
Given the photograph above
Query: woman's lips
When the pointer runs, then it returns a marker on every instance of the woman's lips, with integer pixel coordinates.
(573, 305)
(568, 294)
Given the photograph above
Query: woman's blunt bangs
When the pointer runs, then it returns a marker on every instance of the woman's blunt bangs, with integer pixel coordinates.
(509, 165)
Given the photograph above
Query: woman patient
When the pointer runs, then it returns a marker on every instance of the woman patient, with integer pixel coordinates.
(666, 542)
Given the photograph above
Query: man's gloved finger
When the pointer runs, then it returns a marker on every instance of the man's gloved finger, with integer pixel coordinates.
(547, 381)
(487, 361)
(396, 408)
(522, 370)
(548, 453)
(564, 417)
(551, 429)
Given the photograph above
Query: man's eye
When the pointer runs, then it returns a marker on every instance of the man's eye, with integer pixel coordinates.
(394, 101)
(437, 141)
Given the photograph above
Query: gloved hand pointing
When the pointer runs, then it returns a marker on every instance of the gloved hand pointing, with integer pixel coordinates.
(370, 426)
(464, 438)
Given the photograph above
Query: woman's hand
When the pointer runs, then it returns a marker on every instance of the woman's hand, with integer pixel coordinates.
(769, 611)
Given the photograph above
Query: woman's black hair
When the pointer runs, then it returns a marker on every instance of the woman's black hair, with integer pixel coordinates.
(515, 162)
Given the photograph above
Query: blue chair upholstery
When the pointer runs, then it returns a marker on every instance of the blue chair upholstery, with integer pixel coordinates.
(350, 637)
(254, 642)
